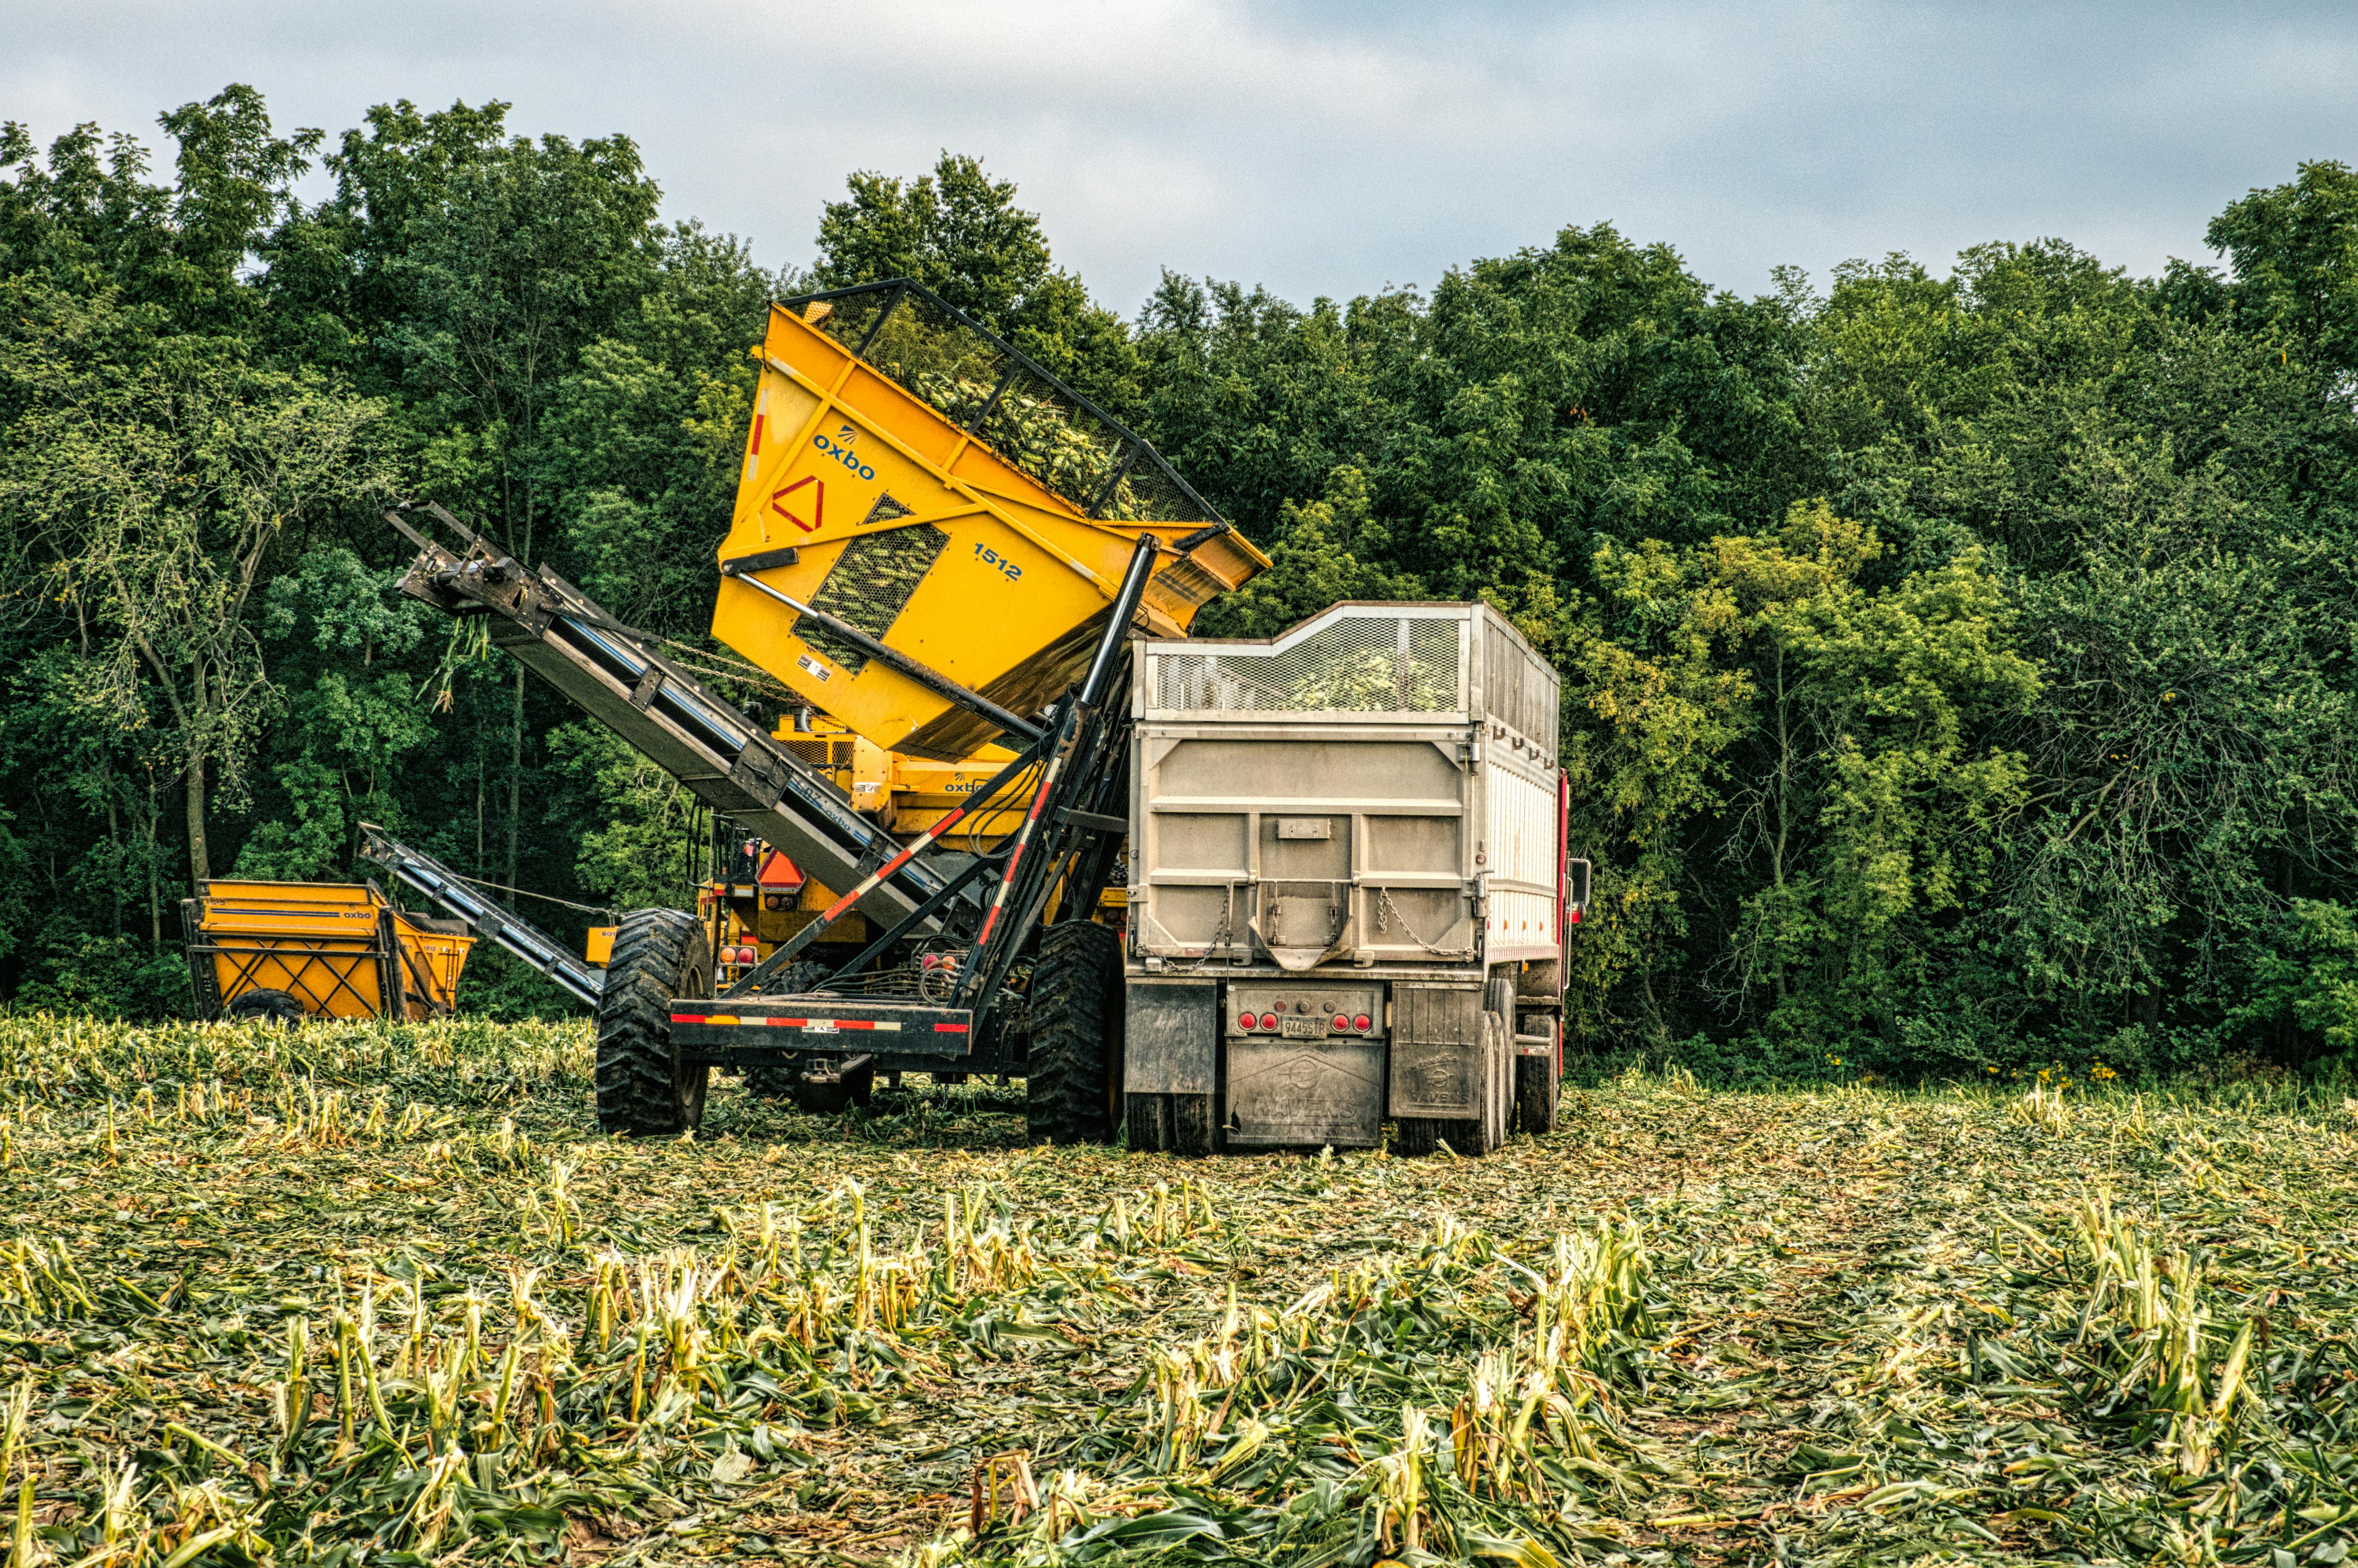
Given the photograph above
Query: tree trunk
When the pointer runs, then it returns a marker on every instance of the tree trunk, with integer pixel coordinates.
(115, 882)
(150, 828)
(515, 785)
(201, 867)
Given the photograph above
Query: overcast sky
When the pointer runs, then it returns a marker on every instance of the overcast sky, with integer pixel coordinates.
(1317, 146)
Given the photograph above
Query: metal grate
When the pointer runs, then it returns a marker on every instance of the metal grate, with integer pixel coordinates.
(1017, 410)
(820, 754)
(1373, 663)
(1520, 690)
(869, 584)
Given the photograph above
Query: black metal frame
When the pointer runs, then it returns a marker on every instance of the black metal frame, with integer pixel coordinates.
(425, 875)
(1068, 840)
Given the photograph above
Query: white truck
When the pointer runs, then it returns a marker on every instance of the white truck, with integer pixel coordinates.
(1348, 893)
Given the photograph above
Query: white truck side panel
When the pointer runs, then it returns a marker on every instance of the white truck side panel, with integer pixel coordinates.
(1521, 855)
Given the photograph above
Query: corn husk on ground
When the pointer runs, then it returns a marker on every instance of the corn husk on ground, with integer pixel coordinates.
(366, 1293)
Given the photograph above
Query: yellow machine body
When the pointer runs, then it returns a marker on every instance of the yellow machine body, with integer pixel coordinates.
(340, 949)
(916, 530)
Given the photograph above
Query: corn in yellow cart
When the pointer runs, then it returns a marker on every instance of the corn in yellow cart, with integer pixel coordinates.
(288, 951)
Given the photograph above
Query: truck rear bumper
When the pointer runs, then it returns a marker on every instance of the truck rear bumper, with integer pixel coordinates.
(748, 1031)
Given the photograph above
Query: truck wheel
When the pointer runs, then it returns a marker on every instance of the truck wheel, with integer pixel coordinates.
(1146, 1119)
(1072, 1077)
(642, 1086)
(1539, 1081)
(1194, 1128)
(274, 1006)
(1176, 1124)
(1499, 1039)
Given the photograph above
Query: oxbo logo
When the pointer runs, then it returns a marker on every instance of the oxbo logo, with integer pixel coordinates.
(843, 453)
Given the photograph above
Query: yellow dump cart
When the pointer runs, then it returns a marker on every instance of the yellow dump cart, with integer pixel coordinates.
(911, 488)
(294, 950)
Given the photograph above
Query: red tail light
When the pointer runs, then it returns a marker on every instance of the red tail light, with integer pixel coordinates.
(1361, 1024)
(1244, 1021)
(1268, 1020)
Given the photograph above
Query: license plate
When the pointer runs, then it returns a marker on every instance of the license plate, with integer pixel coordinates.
(1302, 1029)
(819, 1026)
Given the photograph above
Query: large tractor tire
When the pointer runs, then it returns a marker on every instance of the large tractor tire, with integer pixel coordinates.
(271, 1006)
(1073, 1072)
(642, 1086)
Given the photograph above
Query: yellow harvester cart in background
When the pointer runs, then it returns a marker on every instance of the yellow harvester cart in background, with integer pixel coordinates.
(294, 950)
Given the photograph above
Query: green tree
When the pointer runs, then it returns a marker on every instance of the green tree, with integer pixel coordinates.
(152, 476)
(2295, 251)
(959, 233)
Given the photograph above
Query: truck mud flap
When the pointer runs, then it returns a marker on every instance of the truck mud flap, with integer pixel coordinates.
(1306, 1093)
(1436, 1052)
(1170, 1039)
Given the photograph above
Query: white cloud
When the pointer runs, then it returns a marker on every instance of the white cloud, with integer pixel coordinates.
(1324, 148)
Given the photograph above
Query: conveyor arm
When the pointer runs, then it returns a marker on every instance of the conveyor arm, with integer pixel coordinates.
(425, 875)
(725, 760)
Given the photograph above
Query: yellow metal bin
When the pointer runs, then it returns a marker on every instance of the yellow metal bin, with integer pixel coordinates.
(294, 950)
(907, 476)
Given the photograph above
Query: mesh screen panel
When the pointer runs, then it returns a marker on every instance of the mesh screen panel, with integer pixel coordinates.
(1375, 663)
(869, 584)
(1027, 416)
(820, 754)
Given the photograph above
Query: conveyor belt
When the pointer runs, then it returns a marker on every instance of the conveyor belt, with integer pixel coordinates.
(423, 874)
(725, 760)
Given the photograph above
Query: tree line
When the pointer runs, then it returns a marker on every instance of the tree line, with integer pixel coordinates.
(1958, 670)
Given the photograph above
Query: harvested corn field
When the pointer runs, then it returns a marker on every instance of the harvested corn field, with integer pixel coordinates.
(365, 1294)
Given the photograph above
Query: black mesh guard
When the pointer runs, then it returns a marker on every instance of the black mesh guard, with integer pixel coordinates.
(978, 381)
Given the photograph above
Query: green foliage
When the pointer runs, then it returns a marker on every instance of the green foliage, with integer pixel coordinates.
(2309, 976)
(2291, 248)
(637, 857)
(1327, 551)
(959, 231)
(107, 977)
(1958, 670)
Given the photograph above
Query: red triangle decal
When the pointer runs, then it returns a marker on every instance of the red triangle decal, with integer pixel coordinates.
(777, 871)
(815, 500)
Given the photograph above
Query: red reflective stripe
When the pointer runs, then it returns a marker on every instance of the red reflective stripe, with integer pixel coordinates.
(757, 434)
(889, 867)
(687, 1018)
(786, 1023)
(950, 1028)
